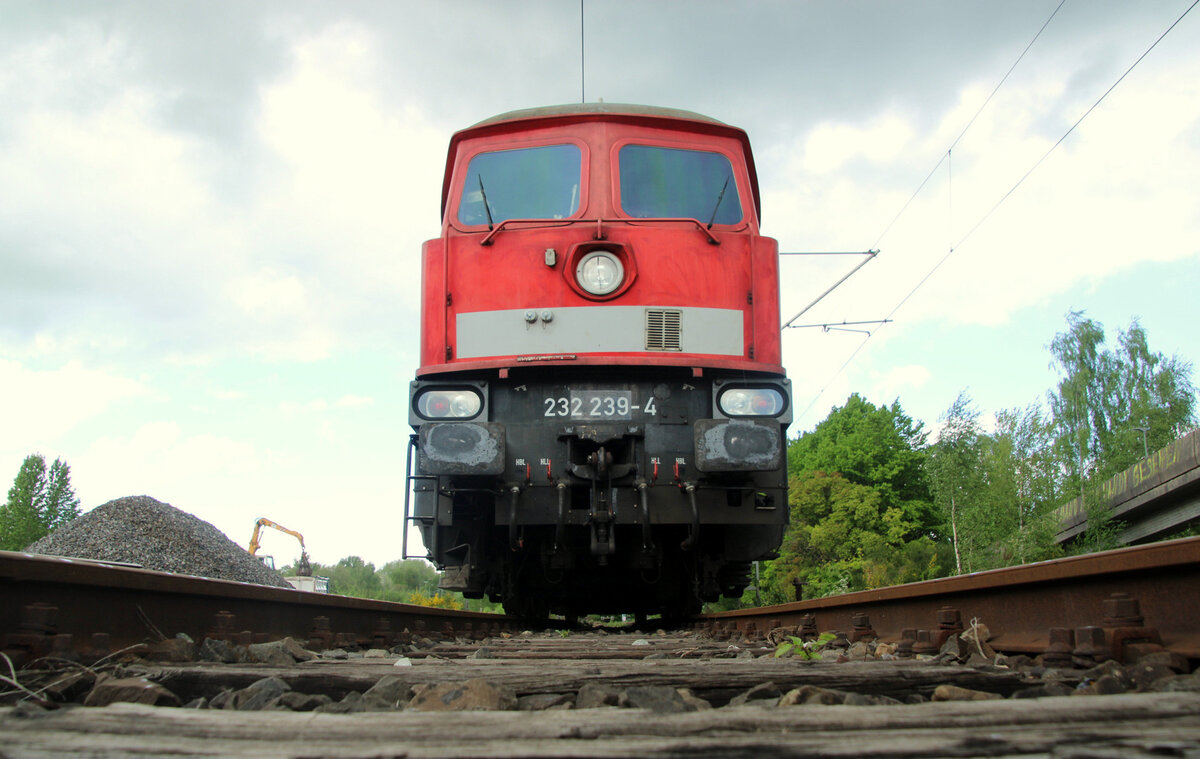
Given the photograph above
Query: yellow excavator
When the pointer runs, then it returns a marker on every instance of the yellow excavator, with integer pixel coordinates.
(303, 567)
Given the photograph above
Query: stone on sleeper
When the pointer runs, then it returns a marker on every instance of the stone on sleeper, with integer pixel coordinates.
(869, 699)
(172, 650)
(70, 687)
(540, 702)
(661, 699)
(133, 690)
(222, 700)
(1144, 676)
(976, 637)
(811, 694)
(297, 651)
(274, 653)
(693, 700)
(300, 702)
(946, 692)
(476, 694)
(392, 690)
(216, 650)
(1181, 684)
(1108, 685)
(258, 694)
(859, 651)
(351, 703)
(763, 694)
(1044, 691)
(955, 648)
(1175, 661)
(594, 695)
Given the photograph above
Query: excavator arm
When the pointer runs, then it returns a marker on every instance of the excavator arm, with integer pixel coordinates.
(303, 567)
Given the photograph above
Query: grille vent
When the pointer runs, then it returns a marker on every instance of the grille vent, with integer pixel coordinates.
(663, 328)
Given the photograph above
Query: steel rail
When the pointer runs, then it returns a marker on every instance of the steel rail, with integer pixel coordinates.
(59, 605)
(1145, 595)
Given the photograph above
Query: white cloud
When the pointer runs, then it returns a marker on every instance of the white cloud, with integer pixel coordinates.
(133, 222)
(40, 405)
(895, 381)
(162, 459)
(1117, 192)
(269, 295)
(360, 176)
(829, 147)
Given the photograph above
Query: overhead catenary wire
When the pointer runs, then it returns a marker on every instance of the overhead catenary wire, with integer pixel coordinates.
(970, 122)
(870, 254)
(583, 60)
(999, 202)
(1078, 121)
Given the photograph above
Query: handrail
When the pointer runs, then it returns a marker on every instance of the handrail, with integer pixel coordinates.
(489, 238)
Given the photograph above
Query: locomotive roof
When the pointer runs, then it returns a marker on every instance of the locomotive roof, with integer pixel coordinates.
(572, 109)
(600, 112)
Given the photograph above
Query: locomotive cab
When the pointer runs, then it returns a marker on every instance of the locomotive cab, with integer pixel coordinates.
(600, 411)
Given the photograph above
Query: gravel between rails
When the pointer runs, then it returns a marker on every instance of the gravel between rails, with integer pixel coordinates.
(140, 530)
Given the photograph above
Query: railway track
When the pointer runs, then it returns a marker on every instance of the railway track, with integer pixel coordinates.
(1107, 602)
(873, 703)
(73, 607)
(1113, 604)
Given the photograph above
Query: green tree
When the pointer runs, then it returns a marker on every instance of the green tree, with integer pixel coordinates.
(1024, 480)
(39, 502)
(1104, 395)
(861, 512)
(401, 579)
(956, 475)
(998, 490)
(1106, 399)
(880, 447)
(352, 576)
(409, 581)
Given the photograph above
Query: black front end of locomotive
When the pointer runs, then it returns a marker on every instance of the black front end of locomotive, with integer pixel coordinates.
(600, 490)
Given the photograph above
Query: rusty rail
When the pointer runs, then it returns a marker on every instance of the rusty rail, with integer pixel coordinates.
(1102, 605)
(56, 606)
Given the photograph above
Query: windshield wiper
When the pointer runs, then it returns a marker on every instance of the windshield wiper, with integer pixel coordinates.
(488, 209)
(720, 197)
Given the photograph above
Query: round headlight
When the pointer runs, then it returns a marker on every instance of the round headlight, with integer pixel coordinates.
(751, 401)
(449, 404)
(599, 272)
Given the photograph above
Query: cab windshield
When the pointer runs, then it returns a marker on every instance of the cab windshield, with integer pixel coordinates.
(658, 182)
(526, 183)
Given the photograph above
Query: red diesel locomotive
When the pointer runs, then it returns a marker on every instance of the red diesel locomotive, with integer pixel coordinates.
(600, 410)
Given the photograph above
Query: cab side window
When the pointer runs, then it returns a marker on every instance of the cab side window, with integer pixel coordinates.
(659, 182)
(525, 183)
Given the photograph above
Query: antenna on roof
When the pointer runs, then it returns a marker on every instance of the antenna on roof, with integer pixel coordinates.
(582, 59)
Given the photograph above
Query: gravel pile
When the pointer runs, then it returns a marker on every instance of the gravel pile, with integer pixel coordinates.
(158, 536)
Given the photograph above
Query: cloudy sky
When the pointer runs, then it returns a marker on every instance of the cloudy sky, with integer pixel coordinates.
(211, 212)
